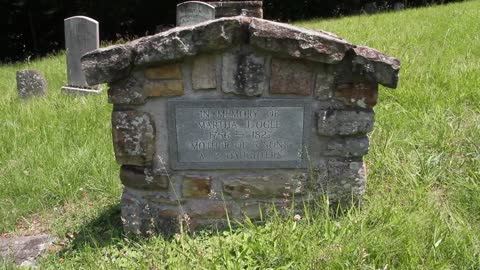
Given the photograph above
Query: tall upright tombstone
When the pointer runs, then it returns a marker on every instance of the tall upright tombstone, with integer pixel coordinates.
(81, 36)
(227, 125)
(194, 12)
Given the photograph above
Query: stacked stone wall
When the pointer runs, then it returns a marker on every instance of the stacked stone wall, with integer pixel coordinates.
(343, 116)
(340, 83)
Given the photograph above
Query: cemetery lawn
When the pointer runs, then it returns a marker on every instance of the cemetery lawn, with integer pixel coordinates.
(422, 210)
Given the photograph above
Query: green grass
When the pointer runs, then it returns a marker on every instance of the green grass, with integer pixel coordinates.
(53, 150)
(422, 207)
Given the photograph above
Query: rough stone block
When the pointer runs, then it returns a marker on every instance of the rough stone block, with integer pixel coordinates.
(281, 185)
(204, 73)
(164, 72)
(136, 215)
(243, 73)
(362, 95)
(164, 88)
(196, 186)
(143, 178)
(209, 209)
(163, 198)
(107, 65)
(346, 181)
(291, 77)
(290, 41)
(324, 83)
(24, 250)
(336, 122)
(126, 91)
(135, 90)
(141, 216)
(170, 213)
(346, 146)
(383, 68)
(133, 137)
(31, 83)
(180, 42)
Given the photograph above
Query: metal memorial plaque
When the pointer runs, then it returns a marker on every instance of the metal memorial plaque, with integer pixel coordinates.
(235, 134)
(194, 12)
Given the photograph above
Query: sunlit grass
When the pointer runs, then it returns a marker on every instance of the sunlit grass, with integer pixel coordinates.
(422, 208)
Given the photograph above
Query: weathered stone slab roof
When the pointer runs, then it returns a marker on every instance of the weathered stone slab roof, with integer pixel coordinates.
(116, 62)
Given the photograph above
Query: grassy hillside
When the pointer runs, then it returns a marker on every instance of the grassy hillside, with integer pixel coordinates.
(422, 211)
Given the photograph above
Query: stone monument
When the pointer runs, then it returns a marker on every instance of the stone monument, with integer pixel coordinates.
(31, 83)
(209, 127)
(81, 36)
(193, 12)
(235, 8)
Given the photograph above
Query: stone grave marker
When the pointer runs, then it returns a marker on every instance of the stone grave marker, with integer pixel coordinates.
(399, 6)
(236, 8)
(31, 83)
(264, 114)
(194, 12)
(81, 36)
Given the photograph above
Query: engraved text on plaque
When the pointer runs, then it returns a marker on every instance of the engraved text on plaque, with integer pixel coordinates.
(229, 134)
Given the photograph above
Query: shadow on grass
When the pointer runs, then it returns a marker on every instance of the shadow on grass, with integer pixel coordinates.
(107, 228)
(104, 230)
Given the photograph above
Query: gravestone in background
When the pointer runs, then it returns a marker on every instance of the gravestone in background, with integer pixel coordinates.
(370, 8)
(399, 6)
(31, 83)
(81, 36)
(194, 12)
(230, 124)
(235, 8)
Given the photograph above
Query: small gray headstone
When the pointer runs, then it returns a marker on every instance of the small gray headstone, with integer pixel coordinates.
(31, 83)
(194, 12)
(81, 36)
(398, 6)
(370, 8)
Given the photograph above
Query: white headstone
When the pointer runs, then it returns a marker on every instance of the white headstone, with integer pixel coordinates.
(81, 36)
(193, 12)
